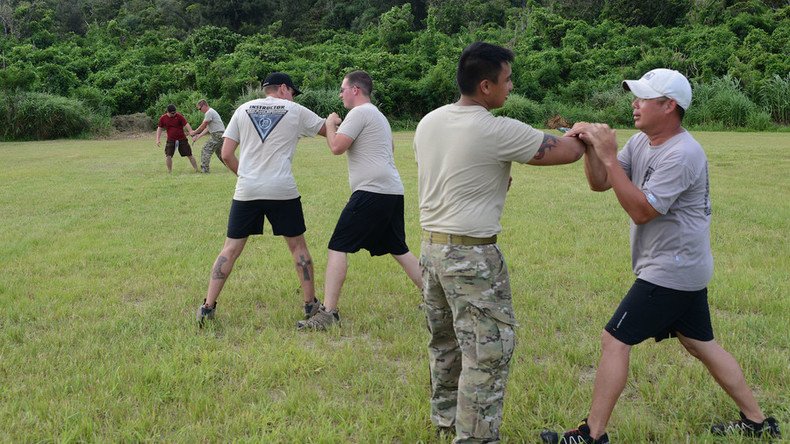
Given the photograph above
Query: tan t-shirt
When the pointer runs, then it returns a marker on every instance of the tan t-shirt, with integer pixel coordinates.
(371, 164)
(463, 162)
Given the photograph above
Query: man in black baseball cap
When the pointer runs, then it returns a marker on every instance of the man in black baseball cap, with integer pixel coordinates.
(280, 78)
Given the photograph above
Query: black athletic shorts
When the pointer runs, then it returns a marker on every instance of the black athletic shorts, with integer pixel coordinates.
(371, 221)
(183, 148)
(285, 216)
(652, 311)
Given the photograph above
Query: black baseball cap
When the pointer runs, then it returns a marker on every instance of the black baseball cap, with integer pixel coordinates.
(280, 78)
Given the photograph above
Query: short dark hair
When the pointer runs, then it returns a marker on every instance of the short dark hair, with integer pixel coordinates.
(681, 112)
(362, 81)
(171, 108)
(480, 61)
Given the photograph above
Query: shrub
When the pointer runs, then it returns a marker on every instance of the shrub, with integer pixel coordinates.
(184, 101)
(322, 101)
(94, 98)
(758, 120)
(721, 103)
(523, 109)
(40, 116)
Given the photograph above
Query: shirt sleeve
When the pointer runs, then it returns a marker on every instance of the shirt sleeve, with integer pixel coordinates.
(518, 142)
(310, 122)
(352, 125)
(211, 115)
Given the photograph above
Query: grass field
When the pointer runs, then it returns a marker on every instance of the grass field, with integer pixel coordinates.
(105, 258)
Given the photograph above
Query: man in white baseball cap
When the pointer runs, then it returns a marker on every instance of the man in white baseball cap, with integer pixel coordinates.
(660, 178)
(662, 82)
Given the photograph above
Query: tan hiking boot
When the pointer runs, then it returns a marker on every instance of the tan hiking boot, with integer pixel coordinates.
(322, 320)
(311, 308)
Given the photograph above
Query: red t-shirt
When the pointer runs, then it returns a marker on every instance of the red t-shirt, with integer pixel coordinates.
(174, 126)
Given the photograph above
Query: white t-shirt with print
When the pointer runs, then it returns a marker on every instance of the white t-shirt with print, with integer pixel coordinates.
(267, 131)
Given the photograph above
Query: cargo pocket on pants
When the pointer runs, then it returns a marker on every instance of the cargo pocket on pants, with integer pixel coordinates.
(496, 338)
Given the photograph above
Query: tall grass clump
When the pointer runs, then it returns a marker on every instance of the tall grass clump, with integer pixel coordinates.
(322, 101)
(250, 93)
(523, 109)
(722, 104)
(41, 116)
(613, 106)
(775, 98)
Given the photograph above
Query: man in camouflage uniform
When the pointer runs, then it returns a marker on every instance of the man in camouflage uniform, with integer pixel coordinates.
(464, 155)
(213, 125)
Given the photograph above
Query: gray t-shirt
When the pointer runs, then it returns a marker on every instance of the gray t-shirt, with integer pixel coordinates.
(214, 121)
(371, 164)
(672, 250)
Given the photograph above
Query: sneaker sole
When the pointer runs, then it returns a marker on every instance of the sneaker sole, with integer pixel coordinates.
(547, 436)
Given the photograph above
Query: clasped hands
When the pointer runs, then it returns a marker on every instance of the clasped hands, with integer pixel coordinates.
(598, 137)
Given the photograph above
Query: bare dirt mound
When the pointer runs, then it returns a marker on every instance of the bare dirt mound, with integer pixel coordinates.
(133, 123)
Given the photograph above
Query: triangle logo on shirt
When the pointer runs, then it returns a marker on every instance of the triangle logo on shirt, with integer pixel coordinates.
(265, 120)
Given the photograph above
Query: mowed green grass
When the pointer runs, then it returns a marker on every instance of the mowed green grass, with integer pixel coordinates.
(105, 258)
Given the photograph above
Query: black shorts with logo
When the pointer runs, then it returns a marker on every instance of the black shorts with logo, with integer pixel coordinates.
(285, 216)
(652, 311)
(372, 221)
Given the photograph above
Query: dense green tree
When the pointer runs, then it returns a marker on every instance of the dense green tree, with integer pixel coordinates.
(122, 56)
(640, 12)
(396, 26)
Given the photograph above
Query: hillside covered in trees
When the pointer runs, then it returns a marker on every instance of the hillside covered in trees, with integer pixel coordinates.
(83, 61)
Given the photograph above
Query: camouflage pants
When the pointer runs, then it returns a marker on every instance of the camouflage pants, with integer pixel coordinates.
(468, 306)
(213, 146)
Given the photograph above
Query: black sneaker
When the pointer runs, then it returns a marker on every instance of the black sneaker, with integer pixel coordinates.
(311, 308)
(204, 312)
(580, 435)
(769, 427)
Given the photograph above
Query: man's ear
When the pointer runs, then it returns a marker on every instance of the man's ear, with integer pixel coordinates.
(670, 104)
(485, 86)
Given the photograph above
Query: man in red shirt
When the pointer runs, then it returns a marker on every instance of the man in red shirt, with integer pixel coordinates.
(174, 124)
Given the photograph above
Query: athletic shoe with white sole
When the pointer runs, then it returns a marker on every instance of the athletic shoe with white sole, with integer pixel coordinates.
(744, 426)
(580, 435)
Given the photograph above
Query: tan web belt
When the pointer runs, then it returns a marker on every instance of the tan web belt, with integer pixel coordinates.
(456, 239)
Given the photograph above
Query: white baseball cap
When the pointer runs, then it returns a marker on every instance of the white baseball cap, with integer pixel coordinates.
(662, 83)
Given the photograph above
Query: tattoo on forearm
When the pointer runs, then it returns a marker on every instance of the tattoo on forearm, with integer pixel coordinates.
(549, 142)
(305, 264)
(217, 273)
